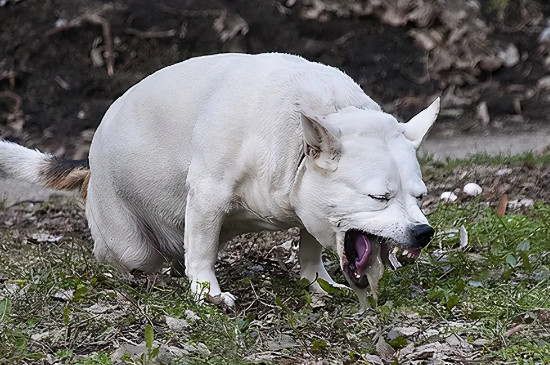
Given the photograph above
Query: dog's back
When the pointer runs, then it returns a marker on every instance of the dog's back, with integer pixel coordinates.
(233, 107)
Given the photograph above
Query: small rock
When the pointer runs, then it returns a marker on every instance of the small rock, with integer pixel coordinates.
(448, 196)
(472, 189)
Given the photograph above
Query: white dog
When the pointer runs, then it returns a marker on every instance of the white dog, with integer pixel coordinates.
(221, 145)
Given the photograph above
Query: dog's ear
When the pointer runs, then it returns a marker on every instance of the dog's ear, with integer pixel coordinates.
(321, 143)
(417, 128)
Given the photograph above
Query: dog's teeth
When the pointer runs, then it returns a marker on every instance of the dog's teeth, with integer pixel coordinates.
(405, 252)
(394, 261)
(357, 276)
(395, 250)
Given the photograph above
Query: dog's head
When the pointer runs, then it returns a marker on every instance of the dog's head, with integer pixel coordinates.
(360, 189)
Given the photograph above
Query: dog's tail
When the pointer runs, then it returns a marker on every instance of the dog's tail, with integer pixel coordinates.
(44, 169)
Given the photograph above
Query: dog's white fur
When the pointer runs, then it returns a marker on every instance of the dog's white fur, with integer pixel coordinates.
(214, 147)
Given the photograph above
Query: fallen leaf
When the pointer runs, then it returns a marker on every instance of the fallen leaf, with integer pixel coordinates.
(64, 295)
(514, 329)
(402, 331)
(448, 196)
(45, 238)
(176, 324)
(463, 237)
(284, 342)
(384, 350)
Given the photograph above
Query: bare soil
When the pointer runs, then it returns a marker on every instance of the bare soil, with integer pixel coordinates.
(55, 86)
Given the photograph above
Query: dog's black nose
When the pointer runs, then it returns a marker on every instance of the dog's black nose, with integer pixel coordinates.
(421, 235)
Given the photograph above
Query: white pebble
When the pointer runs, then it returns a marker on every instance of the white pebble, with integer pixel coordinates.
(472, 189)
(448, 196)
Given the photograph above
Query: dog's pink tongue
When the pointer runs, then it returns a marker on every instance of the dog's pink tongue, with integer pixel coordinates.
(362, 248)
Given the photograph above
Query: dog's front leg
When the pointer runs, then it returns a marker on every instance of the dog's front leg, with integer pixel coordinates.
(311, 262)
(204, 215)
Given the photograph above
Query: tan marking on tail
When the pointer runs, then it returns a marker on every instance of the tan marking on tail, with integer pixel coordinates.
(84, 188)
(62, 174)
(73, 180)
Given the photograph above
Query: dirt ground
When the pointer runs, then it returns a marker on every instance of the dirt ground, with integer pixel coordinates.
(489, 60)
(51, 240)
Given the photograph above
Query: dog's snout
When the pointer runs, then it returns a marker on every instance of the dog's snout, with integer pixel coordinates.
(422, 235)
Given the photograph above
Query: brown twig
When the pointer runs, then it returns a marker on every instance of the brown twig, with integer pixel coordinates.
(16, 99)
(96, 20)
(10, 75)
(150, 34)
(190, 13)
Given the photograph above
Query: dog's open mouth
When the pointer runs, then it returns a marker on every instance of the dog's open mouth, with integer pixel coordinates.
(360, 249)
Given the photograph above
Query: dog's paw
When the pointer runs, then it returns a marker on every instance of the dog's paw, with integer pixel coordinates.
(224, 300)
(228, 299)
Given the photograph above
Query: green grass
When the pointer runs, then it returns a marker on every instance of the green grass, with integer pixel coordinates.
(500, 280)
(493, 294)
(484, 159)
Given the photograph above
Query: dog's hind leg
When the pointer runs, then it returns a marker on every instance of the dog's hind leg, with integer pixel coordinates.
(120, 238)
(311, 262)
(207, 203)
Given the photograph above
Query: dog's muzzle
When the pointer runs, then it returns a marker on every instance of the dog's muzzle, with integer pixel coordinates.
(361, 247)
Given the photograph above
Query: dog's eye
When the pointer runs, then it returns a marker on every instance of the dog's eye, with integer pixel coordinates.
(380, 198)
